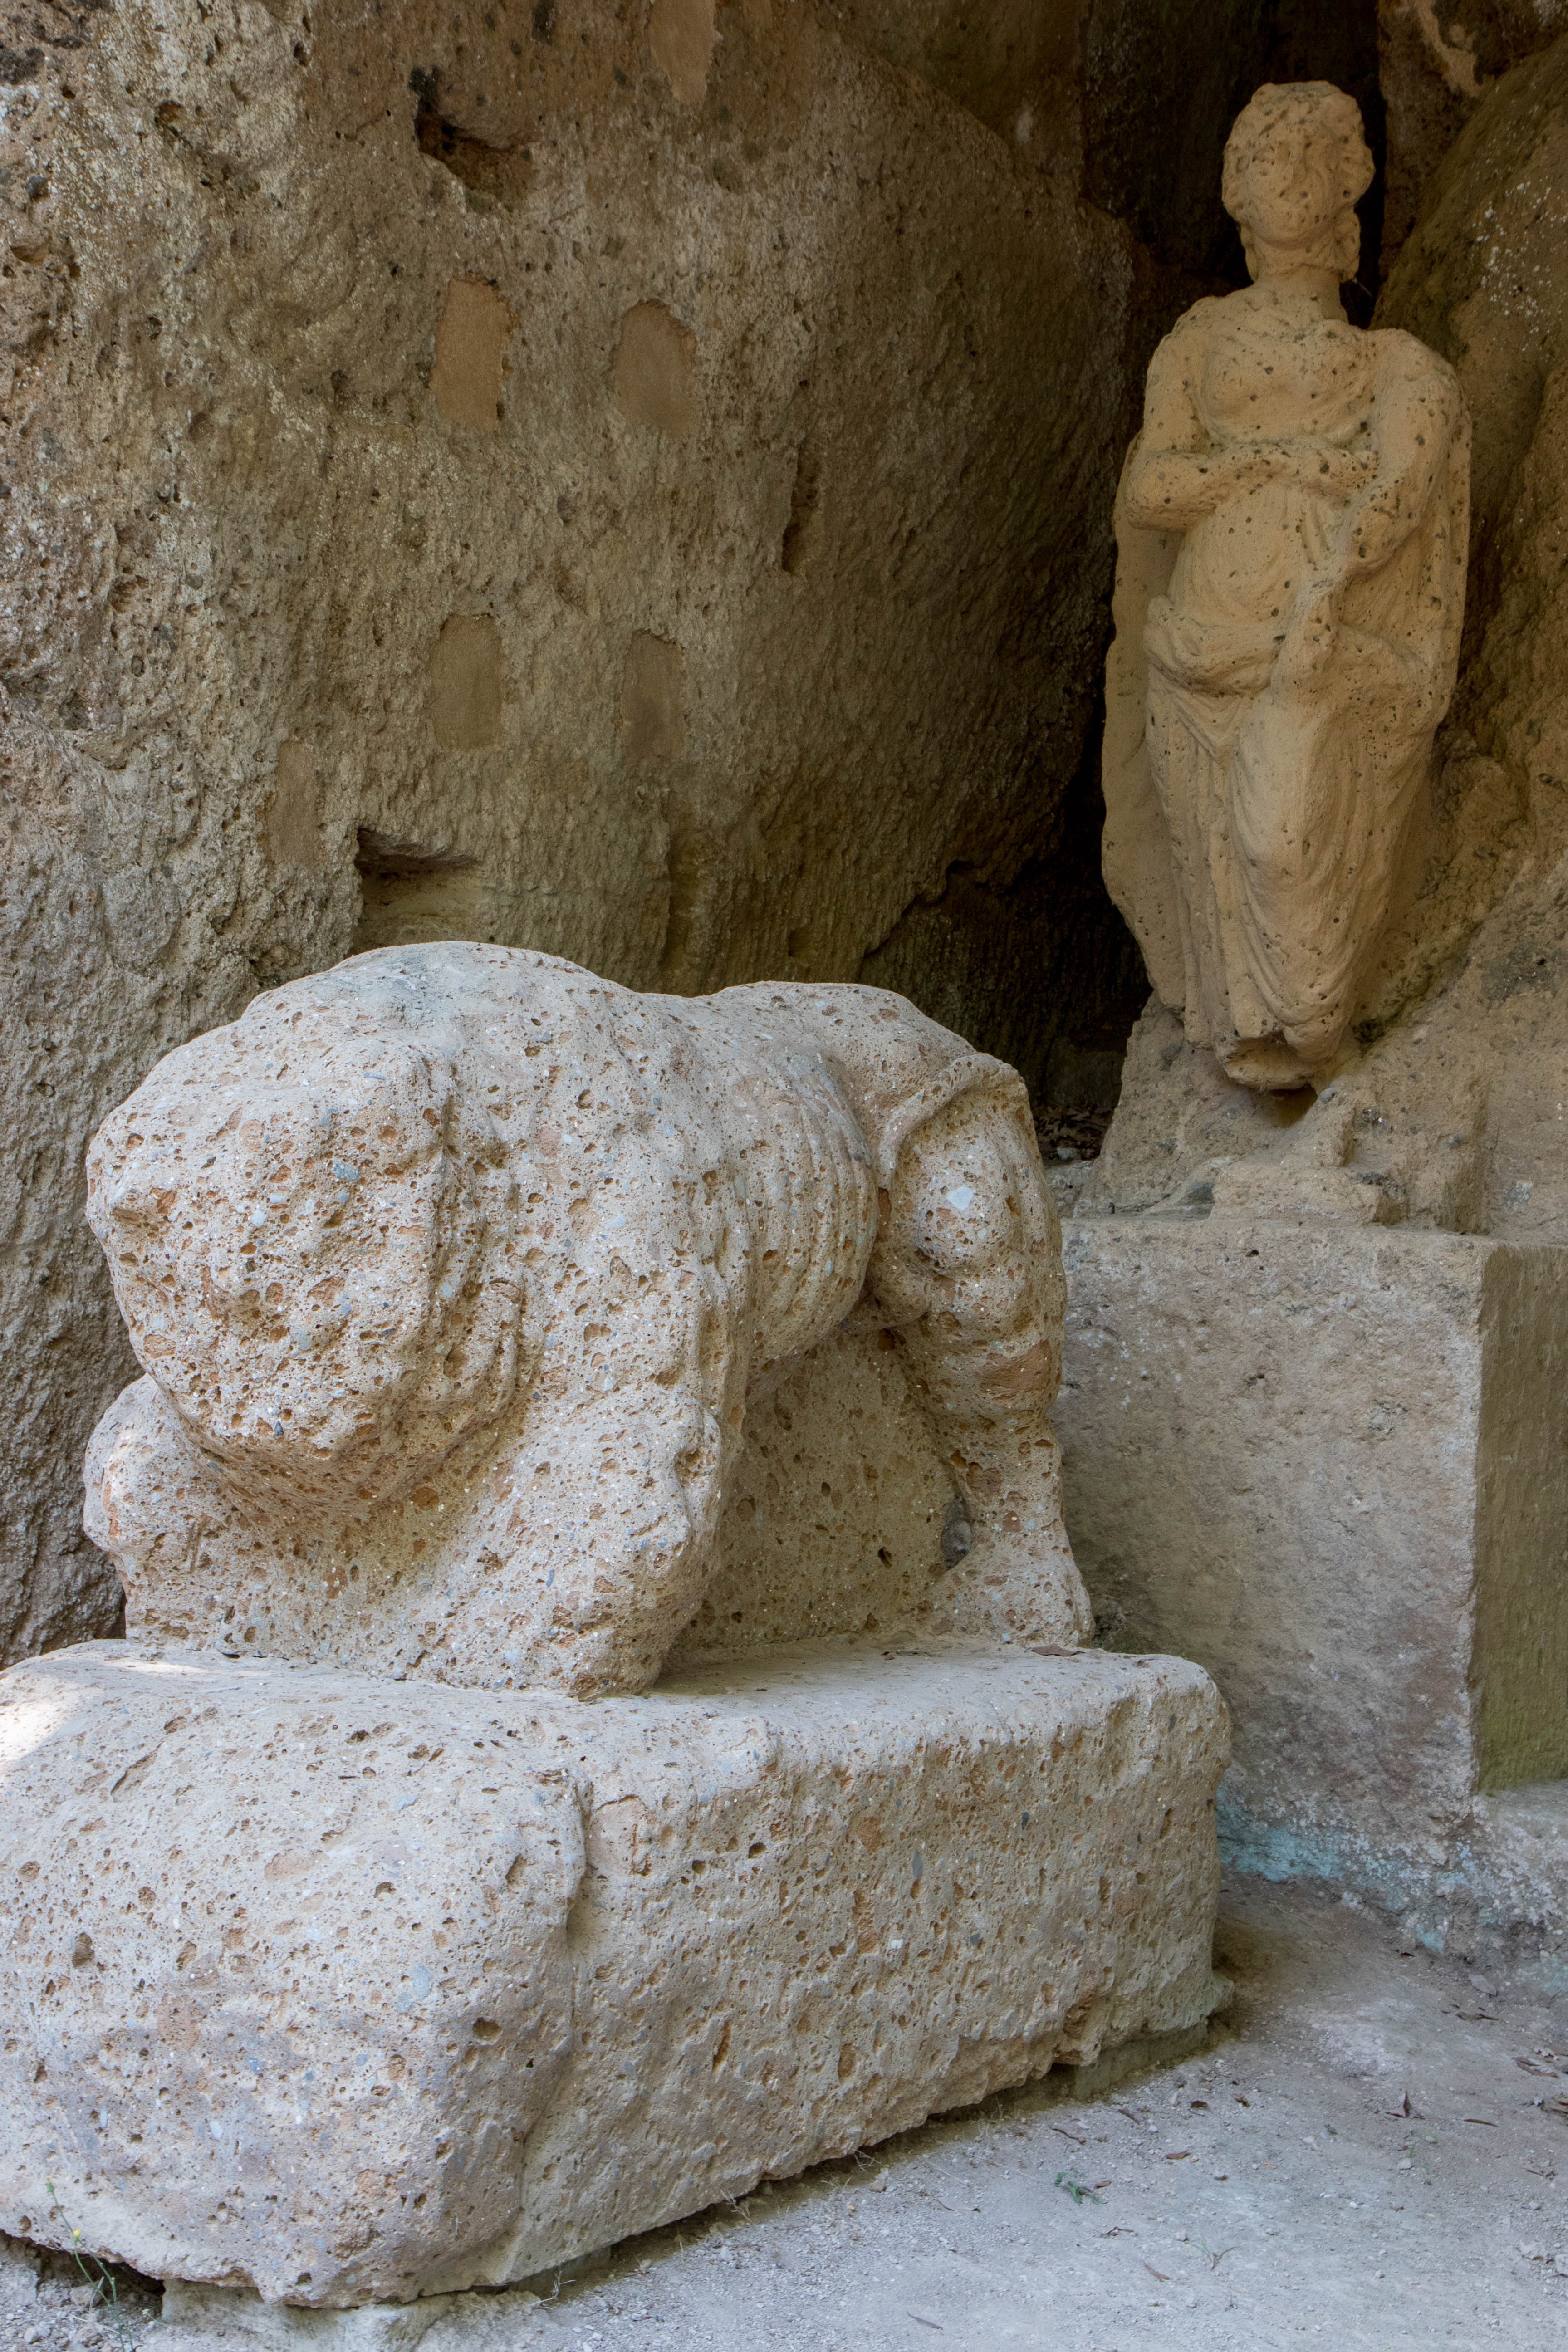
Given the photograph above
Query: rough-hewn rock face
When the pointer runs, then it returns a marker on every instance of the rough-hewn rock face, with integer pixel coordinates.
(1016, 64)
(1436, 59)
(637, 485)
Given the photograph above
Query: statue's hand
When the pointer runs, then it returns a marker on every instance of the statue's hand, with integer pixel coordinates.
(1336, 472)
(1309, 638)
(1247, 464)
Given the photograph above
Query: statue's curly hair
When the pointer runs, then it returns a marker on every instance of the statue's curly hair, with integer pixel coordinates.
(247, 1232)
(1319, 118)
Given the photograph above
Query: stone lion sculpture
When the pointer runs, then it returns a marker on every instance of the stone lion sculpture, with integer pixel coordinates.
(1292, 526)
(452, 1271)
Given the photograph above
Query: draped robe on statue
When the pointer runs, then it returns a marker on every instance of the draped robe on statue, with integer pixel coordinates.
(1255, 821)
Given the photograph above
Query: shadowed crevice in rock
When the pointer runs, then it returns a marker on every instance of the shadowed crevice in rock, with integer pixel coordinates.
(1037, 968)
(491, 174)
(409, 893)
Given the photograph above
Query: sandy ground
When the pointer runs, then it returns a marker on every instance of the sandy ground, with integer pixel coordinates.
(1369, 2149)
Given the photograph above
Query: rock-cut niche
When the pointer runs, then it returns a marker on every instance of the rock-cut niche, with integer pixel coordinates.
(409, 894)
(491, 176)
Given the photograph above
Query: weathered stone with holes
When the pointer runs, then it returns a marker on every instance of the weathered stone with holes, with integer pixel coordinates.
(1326, 1460)
(510, 1338)
(456, 1271)
(344, 1990)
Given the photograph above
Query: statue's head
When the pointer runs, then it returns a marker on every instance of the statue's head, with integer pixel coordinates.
(305, 1221)
(1296, 165)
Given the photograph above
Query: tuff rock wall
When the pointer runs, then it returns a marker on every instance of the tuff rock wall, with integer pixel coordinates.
(1436, 61)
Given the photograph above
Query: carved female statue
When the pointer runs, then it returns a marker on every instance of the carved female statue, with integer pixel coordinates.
(1292, 525)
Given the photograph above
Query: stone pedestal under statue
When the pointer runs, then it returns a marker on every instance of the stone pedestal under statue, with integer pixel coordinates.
(603, 1719)
(1329, 1462)
(348, 1991)
(1312, 1414)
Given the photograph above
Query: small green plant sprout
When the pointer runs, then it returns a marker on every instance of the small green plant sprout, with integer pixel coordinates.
(105, 2288)
(1071, 2185)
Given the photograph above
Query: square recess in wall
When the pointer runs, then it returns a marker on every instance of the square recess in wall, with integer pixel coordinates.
(411, 895)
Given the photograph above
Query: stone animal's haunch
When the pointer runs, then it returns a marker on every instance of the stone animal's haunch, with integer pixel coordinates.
(1292, 525)
(452, 1270)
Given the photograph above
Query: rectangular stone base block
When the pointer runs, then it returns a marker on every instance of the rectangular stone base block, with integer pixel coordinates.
(344, 1990)
(1330, 1463)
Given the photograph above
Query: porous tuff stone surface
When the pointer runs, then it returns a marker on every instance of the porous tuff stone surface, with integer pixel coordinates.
(454, 1272)
(838, 1517)
(1366, 2152)
(634, 483)
(1292, 528)
(348, 1991)
(1436, 63)
(1327, 1462)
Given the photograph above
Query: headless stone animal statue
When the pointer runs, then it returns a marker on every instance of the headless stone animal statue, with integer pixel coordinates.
(453, 1270)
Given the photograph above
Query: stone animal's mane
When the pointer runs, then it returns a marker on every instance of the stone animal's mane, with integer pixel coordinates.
(315, 1273)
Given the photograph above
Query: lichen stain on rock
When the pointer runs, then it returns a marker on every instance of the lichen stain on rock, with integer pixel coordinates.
(654, 364)
(653, 699)
(293, 811)
(467, 684)
(681, 34)
(470, 353)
